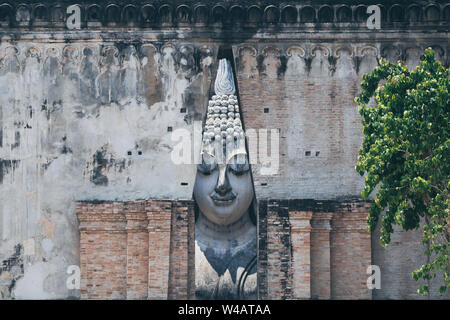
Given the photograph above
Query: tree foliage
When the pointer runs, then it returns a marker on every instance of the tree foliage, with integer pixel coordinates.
(405, 156)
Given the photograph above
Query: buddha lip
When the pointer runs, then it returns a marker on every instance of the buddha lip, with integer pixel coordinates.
(229, 198)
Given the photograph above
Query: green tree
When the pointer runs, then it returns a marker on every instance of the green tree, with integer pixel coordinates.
(405, 156)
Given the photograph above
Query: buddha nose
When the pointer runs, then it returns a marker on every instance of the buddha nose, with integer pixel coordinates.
(223, 184)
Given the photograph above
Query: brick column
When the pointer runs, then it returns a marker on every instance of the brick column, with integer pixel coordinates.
(278, 246)
(103, 241)
(159, 221)
(301, 260)
(181, 251)
(350, 252)
(137, 250)
(320, 255)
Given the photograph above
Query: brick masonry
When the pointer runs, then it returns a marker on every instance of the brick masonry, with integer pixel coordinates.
(145, 249)
(136, 249)
(310, 249)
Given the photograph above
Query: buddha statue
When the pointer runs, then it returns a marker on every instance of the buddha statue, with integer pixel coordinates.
(225, 230)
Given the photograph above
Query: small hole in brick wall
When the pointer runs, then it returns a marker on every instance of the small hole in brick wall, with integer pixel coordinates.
(169, 129)
(184, 183)
(183, 110)
(266, 110)
(140, 153)
(317, 153)
(263, 183)
(129, 153)
(307, 153)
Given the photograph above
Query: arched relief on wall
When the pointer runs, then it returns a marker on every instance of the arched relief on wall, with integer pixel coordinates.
(9, 62)
(237, 15)
(391, 53)
(130, 15)
(70, 62)
(360, 14)
(32, 73)
(446, 13)
(368, 59)
(183, 15)
(148, 14)
(271, 62)
(344, 14)
(112, 15)
(218, 14)
(130, 71)
(307, 15)
(165, 15)
(320, 66)
(247, 64)
(40, 13)
(432, 13)
(152, 84)
(326, 14)
(414, 14)
(295, 65)
(94, 15)
(89, 71)
(107, 81)
(439, 53)
(168, 70)
(289, 14)
(396, 13)
(271, 14)
(201, 15)
(254, 15)
(10, 73)
(207, 55)
(412, 56)
(6, 14)
(57, 15)
(345, 64)
(23, 15)
(52, 64)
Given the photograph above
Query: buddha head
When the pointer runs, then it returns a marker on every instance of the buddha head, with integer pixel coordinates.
(223, 187)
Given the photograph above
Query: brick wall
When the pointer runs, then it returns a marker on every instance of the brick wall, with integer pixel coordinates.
(313, 249)
(350, 252)
(136, 249)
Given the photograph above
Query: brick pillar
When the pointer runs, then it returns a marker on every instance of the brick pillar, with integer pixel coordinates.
(137, 250)
(320, 255)
(350, 252)
(301, 260)
(181, 251)
(262, 251)
(103, 241)
(159, 222)
(278, 272)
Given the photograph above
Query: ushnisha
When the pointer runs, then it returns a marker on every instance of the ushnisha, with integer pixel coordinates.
(223, 128)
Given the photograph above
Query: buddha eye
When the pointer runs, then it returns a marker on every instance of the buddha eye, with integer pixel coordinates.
(207, 166)
(239, 165)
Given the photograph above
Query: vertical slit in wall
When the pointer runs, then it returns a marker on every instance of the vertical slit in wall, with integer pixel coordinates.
(226, 52)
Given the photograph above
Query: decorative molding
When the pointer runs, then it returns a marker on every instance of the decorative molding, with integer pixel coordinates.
(203, 13)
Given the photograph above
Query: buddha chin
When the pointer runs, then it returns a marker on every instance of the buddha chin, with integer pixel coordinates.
(227, 205)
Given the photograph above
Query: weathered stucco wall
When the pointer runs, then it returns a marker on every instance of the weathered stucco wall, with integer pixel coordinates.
(88, 114)
(88, 121)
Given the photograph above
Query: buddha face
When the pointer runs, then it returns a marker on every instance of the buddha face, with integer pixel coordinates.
(223, 192)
